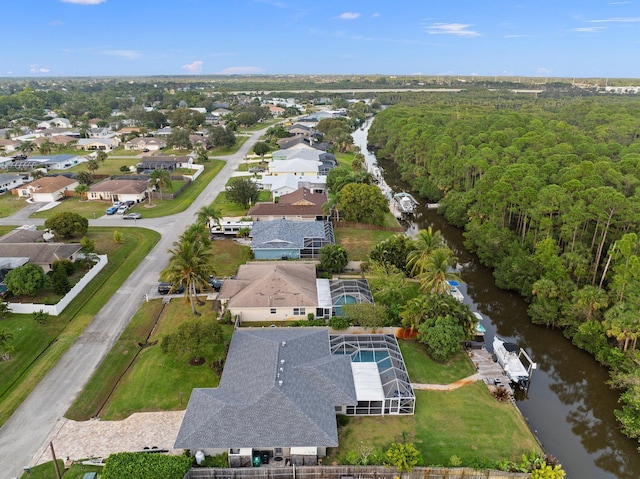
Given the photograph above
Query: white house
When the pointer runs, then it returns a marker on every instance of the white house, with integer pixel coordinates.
(93, 144)
(145, 143)
(295, 166)
(48, 189)
(9, 181)
(119, 190)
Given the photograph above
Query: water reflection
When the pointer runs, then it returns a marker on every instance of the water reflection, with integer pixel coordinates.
(568, 406)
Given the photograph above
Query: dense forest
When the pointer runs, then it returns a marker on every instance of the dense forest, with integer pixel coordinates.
(548, 192)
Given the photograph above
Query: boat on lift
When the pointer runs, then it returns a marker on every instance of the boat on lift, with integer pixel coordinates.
(510, 357)
(406, 203)
(480, 329)
(455, 291)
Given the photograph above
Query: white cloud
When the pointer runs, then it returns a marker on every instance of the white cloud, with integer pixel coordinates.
(375, 15)
(458, 29)
(195, 67)
(543, 71)
(348, 16)
(515, 36)
(39, 70)
(84, 2)
(241, 71)
(617, 20)
(128, 54)
(588, 29)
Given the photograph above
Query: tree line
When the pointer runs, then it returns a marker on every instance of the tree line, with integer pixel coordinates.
(547, 192)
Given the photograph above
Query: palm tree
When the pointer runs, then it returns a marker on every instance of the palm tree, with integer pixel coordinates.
(208, 214)
(436, 272)
(84, 178)
(37, 173)
(426, 243)
(92, 166)
(160, 178)
(190, 266)
(81, 190)
(46, 147)
(101, 156)
(26, 147)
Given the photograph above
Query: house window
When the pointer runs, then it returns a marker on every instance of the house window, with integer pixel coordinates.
(299, 311)
(273, 310)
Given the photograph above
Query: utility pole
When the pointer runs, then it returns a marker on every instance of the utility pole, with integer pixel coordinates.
(55, 461)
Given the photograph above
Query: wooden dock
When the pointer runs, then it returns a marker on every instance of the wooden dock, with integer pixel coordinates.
(489, 370)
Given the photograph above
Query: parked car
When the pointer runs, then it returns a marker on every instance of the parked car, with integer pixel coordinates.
(215, 283)
(166, 288)
(111, 210)
(130, 203)
(132, 216)
(122, 209)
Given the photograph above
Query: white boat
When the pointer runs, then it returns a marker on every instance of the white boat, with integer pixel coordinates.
(454, 291)
(510, 357)
(406, 203)
(480, 329)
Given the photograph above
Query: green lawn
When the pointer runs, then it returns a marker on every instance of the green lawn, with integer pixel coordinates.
(224, 151)
(87, 209)
(228, 208)
(423, 369)
(10, 204)
(358, 243)
(47, 471)
(38, 347)
(151, 380)
(345, 159)
(111, 166)
(228, 256)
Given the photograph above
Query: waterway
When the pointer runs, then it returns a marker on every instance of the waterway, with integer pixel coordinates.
(569, 405)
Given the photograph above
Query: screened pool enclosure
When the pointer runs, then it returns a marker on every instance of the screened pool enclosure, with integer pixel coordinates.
(380, 376)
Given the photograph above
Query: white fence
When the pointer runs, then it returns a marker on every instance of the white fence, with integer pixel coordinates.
(56, 309)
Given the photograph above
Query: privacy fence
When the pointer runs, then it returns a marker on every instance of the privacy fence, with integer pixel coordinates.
(350, 472)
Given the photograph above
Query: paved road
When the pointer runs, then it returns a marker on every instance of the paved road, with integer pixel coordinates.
(26, 430)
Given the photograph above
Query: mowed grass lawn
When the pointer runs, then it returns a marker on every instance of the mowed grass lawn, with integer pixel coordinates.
(467, 422)
(10, 204)
(359, 242)
(37, 347)
(140, 375)
(228, 256)
(424, 370)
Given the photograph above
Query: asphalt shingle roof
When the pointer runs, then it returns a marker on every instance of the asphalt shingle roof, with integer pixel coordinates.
(279, 388)
(283, 233)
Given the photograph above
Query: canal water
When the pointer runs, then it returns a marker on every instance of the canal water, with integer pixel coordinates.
(569, 405)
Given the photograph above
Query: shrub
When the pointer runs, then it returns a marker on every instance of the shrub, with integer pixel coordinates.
(142, 465)
(338, 323)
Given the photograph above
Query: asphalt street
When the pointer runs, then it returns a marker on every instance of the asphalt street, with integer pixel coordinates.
(26, 430)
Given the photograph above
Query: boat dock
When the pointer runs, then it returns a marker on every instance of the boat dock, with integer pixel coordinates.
(488, 369)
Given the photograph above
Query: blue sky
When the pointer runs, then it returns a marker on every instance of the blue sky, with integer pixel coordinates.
(544, 38)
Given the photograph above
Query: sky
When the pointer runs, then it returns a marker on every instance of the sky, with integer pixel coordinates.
(534, 38)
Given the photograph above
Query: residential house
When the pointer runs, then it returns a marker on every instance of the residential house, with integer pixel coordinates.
(301, 205)
(58, 140)
(119, 190)
(55, 162)
(42, 254)
(145, 143)
(171, 163)
(295, 166)
(328, 160)
(93, 144)
(285, 239)
(303, 142)
(9, 181)
(48, 188)
(299, 130)
(276, 111)
(285, 184)
(276, 291)
(278, 395)
(54, 123)
(8, 146)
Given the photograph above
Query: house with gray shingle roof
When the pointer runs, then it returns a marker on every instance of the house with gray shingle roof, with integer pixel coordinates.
(285, 239)
(278, 394)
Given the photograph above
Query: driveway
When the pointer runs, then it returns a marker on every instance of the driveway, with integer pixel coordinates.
(26, 431)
